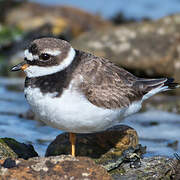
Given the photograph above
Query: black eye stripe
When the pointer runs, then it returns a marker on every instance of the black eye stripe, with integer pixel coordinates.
(30, 62)
(33, 49)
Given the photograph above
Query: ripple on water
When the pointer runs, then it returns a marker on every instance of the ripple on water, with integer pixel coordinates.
(27, 131)
(11, 125)
(156, 137)
(12, 102)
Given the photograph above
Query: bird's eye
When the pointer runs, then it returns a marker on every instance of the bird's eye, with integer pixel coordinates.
(45, 56)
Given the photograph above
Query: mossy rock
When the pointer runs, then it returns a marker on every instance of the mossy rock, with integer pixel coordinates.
(12, 148)
(6, 151)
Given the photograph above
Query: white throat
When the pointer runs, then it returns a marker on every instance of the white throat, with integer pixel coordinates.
(36, 71)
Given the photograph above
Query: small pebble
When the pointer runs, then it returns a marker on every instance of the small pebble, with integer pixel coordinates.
(9, 163)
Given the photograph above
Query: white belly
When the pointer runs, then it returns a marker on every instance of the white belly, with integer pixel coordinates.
(72, 112)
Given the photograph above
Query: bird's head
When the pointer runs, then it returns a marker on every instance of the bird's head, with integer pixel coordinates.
(46, 56)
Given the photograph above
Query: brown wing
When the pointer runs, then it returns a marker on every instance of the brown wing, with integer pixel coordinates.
(106, 85)
(109, 86)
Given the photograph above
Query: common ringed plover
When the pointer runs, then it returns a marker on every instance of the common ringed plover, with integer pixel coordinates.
(78, 92)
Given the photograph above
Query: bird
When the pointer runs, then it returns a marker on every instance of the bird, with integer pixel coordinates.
(78, 92)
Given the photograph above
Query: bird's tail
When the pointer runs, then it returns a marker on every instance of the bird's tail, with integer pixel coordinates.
(154, 86)
(171, 84)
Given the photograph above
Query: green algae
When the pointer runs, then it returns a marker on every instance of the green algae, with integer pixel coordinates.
(12, 148)
(9, 34)
(6, 151)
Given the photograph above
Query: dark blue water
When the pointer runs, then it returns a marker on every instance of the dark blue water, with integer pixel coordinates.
(137, 9)
(12, 104)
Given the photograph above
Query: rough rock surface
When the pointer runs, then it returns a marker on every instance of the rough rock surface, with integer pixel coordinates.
(59, 167)
(110, 143)
(149, 48)
(68, 167)
(151, 168)
(176, 167)
(10, 148)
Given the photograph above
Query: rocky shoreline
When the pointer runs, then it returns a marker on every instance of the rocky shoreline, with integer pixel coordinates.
(148, 48)
(68, 167)
(114, 154)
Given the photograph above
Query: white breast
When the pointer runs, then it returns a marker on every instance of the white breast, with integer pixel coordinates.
(72, 112)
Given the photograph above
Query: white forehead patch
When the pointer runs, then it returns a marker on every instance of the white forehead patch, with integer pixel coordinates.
(52, 52)
(29, 55)
(36, 71)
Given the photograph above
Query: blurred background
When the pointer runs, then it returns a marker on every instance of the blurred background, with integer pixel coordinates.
(143, 36)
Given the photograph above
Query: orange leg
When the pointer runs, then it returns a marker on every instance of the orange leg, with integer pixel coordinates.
(72, 138)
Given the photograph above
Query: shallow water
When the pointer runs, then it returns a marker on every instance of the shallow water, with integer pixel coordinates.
(137, 9)
(11, 125)
(156, 129)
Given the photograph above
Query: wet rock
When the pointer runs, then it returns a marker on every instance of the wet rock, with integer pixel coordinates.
(173, 145)
(68, 167)
(61, 18)
(10, 148)
(151, 168)
(176, 166)
(6, 151)
(9, 163)
(59, 167)
(132, 155)
(146, 49)
(103, 145)
(128, 165)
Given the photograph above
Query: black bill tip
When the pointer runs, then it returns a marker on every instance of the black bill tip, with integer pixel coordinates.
(16, 68)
